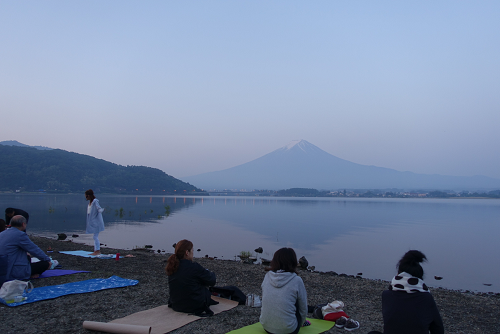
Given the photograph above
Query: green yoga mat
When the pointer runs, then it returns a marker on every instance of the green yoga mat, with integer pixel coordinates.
(317, 326)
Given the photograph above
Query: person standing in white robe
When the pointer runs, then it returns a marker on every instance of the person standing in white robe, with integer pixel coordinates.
(95, 223)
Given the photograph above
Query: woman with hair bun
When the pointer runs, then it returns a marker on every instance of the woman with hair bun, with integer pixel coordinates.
(188, 281)
(408, 307)
(284, 297)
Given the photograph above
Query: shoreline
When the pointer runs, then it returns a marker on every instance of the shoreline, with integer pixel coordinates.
(462, 312)
(244, 194)
(329, 272)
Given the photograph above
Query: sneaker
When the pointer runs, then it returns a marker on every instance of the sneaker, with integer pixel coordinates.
(341, 322)
(351, 325)
(54, 264)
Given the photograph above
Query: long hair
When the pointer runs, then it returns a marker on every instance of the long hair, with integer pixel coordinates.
(410, 263)
(284, 259)
(90, 193)
(174, 259)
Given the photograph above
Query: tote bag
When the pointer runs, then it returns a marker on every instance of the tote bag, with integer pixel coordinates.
(12, 289)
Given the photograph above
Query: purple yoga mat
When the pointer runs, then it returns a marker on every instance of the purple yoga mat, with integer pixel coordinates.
(60, 272)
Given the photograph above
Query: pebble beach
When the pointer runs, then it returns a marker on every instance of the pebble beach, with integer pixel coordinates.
(462, 312)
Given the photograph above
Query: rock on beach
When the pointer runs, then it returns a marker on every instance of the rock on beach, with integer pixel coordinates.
(462, 312)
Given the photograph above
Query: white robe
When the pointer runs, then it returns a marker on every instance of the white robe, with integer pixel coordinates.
(95, 223)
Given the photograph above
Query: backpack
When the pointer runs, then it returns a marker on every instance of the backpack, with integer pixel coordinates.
(229, 292)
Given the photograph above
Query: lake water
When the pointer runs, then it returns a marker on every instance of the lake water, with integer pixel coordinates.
(458, 236)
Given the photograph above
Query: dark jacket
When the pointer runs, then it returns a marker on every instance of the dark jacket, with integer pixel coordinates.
(14, 244)
(16, 213)
(188, 287)
(410, 313)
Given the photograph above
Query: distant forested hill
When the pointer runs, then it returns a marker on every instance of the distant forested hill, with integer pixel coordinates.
(30, 169)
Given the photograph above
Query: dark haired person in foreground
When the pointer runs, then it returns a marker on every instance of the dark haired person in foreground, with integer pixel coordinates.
(15, 244)
(284, 297)
(11, 212)
(408, 307)
(188, 282)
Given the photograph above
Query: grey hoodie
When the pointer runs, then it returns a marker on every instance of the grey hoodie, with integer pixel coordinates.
(282, 294)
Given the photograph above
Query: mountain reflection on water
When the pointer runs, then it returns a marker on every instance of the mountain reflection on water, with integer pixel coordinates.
(66, 213)
(334, 234)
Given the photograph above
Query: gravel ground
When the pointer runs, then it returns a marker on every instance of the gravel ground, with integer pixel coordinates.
(462, 312)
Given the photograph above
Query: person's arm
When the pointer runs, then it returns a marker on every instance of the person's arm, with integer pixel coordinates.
(302, 300)
(98, 207)
(205, 276)
(26, 244)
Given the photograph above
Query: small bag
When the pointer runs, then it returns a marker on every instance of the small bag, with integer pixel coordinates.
(335, 306)
(15, 288)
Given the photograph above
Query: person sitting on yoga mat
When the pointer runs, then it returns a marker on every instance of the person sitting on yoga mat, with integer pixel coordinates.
(14, 245)
(408, 306)
(188, 281)
(284, 297)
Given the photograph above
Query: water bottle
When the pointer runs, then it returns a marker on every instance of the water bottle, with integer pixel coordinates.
(249, 301)
(256, 301)
(16, 299)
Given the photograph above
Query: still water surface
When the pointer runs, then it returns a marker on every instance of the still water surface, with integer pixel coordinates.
(459, 237)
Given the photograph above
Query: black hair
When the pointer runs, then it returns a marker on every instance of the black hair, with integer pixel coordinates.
(3, 225)
(9, 211)
(410, 263)
(284, 259)
(90, 193)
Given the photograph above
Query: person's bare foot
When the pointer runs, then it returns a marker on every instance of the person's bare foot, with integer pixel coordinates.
(97, 252)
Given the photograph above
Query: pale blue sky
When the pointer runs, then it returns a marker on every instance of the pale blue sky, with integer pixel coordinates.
(197, 86)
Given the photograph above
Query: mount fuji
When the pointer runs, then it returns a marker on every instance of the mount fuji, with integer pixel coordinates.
(301, 164)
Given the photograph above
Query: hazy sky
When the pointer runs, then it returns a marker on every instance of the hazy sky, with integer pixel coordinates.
(197, 86)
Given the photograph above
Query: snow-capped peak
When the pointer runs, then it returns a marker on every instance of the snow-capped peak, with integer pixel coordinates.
(298, 144)
(292, 144)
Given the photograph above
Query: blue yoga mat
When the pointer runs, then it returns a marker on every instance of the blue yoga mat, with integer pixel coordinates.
(91, 285)
(87, 254)
(60, 272)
